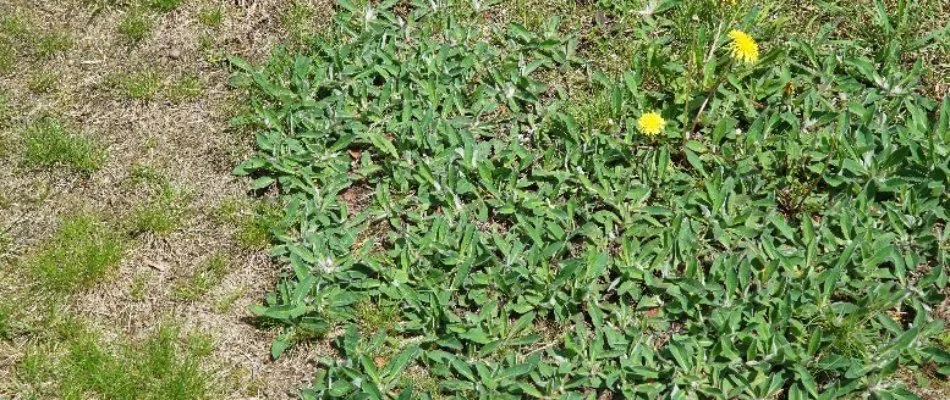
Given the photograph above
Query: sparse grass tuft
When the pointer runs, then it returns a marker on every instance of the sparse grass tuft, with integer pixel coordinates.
(421, 380)
(7, 57)
(164, 5)
(136, 26)
(200, 344)
(12, 30)
(228, 210)
(251, 383)
(139, 285)
(42, 82)
(165, 365)
(146, 85)
(6, 112)
(6, 144)
(162, 215)
(82, 253)
(99, 4)
(142, 174)
(6, 240)
(16, 38)
(298, 21)
(141, 85)
(226, 302)
(13, 35)
(52, 43)
(254, 231)
(944, 340)
(13, 27)
(186, 88)
(207, 276)
(374, 316)
(48, 144)
(8, 312)
(209, 50)
(254, 220)
(57, 323)
(211, 17)
(35, 367)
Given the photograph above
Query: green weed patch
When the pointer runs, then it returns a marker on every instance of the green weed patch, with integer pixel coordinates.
(724, 218)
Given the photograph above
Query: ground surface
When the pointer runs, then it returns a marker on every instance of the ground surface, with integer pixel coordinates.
(147, 86)
(116, 156)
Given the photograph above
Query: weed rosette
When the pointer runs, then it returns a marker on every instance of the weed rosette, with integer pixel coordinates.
(475, 208)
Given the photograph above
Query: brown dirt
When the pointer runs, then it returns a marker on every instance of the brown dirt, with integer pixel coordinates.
(189, 142)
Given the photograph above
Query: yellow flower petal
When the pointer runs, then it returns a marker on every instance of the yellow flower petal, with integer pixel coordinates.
(744, 48)
(651, 124)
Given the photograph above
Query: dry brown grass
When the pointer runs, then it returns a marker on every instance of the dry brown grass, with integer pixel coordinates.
(186, 139)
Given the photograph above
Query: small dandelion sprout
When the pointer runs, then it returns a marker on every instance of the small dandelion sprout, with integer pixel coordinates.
(648, 9)
(327, 266)
(744, 48)
(369, 15)
(651, 124)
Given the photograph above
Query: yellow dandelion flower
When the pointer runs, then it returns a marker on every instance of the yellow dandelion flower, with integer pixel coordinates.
(744, 48)
(651, 124)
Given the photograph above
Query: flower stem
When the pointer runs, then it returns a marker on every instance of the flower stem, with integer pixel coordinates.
(712, 92)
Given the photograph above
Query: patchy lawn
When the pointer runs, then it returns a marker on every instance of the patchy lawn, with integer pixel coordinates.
(121, 223)
(525, 198)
